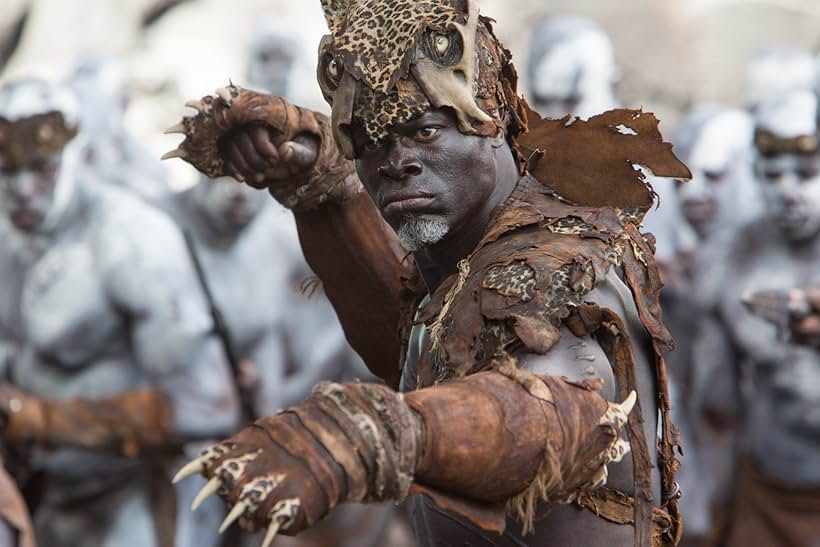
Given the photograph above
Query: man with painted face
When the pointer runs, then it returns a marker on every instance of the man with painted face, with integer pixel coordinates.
(116, 365)
(777, 491)
(517, 283)
(571, 68)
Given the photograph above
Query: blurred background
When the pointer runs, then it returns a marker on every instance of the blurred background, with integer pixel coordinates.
(670, 54)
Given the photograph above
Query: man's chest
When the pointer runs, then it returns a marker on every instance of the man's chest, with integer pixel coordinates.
(64, 307)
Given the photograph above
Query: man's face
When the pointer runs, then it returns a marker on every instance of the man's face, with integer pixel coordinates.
(228, 206)
(427, 178)
(270, 66)
(791, 188)
(28, 194)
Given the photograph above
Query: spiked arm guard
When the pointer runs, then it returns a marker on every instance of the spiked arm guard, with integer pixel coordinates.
(332, 179)
(129, 423)
(480, 441)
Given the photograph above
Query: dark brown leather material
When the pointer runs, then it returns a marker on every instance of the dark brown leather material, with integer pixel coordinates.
(516, 438)
(130, 423)
(346, 442)
(370, 279)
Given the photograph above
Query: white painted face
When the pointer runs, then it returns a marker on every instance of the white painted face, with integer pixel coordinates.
(719, 161)
(28, 196)
(791, 189)
(275, 48)
(572, 69)
(790, 181)
(227, 205)
(33, 197)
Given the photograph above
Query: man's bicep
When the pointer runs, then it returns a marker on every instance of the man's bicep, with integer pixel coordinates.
(575, 358)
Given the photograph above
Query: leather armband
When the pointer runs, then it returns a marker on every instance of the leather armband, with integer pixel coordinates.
(128, 423)
(522, 440)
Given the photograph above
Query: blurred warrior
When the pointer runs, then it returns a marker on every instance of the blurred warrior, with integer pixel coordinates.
(101, 86)
(514, 270)
(722, 196)
(234, 229)
(116, 365)
(777, 492)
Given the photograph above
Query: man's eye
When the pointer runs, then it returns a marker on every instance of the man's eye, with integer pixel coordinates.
(714, 176)
(808, 173)
(772, 176)
(426, 133)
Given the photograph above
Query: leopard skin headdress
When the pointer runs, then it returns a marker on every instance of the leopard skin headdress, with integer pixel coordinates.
(386, 62)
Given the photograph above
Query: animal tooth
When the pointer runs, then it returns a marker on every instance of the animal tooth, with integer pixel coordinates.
(196, 105)
(209, 489)
(629, 403)
(270, 535)
(176, 128)
(190, 469)
(175, 153)
(235, 513)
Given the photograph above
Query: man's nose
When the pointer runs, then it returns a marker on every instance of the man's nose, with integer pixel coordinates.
(399, 164)
(25, 187)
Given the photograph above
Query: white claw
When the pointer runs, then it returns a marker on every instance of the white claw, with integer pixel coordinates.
(175, 153)
(176, 128)
(629, 403)
(270, 535)
(237, 511)
(196, 105)
(190, 469)
(209, 489)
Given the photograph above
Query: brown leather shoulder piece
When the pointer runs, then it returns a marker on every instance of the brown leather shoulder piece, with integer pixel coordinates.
(591, 162)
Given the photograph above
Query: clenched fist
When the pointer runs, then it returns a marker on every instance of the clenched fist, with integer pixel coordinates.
(269, 143)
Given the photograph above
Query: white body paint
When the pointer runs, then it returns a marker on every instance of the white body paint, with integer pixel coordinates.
(102, 303)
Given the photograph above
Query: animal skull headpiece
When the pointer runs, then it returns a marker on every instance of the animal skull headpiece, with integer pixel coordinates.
(386, 62)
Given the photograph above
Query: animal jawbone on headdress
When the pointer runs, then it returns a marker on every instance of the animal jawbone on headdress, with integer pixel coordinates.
(387, 62)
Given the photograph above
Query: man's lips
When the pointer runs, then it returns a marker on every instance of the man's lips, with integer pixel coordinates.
(25, 218)
(405, 203)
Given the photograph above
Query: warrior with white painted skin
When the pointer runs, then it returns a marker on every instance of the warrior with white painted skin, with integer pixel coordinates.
(101, 86)
(116, 365)
(777, 492)
(715, 143)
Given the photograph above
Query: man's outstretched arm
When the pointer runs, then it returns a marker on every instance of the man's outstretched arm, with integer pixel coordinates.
(270, 143)
(472, 444)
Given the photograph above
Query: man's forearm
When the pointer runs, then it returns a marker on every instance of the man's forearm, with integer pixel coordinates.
(481, 441)
(130, 423)
(365, 273)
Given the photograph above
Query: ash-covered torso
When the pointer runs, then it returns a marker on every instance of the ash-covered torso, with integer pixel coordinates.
(107, 304)
(780, 379)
